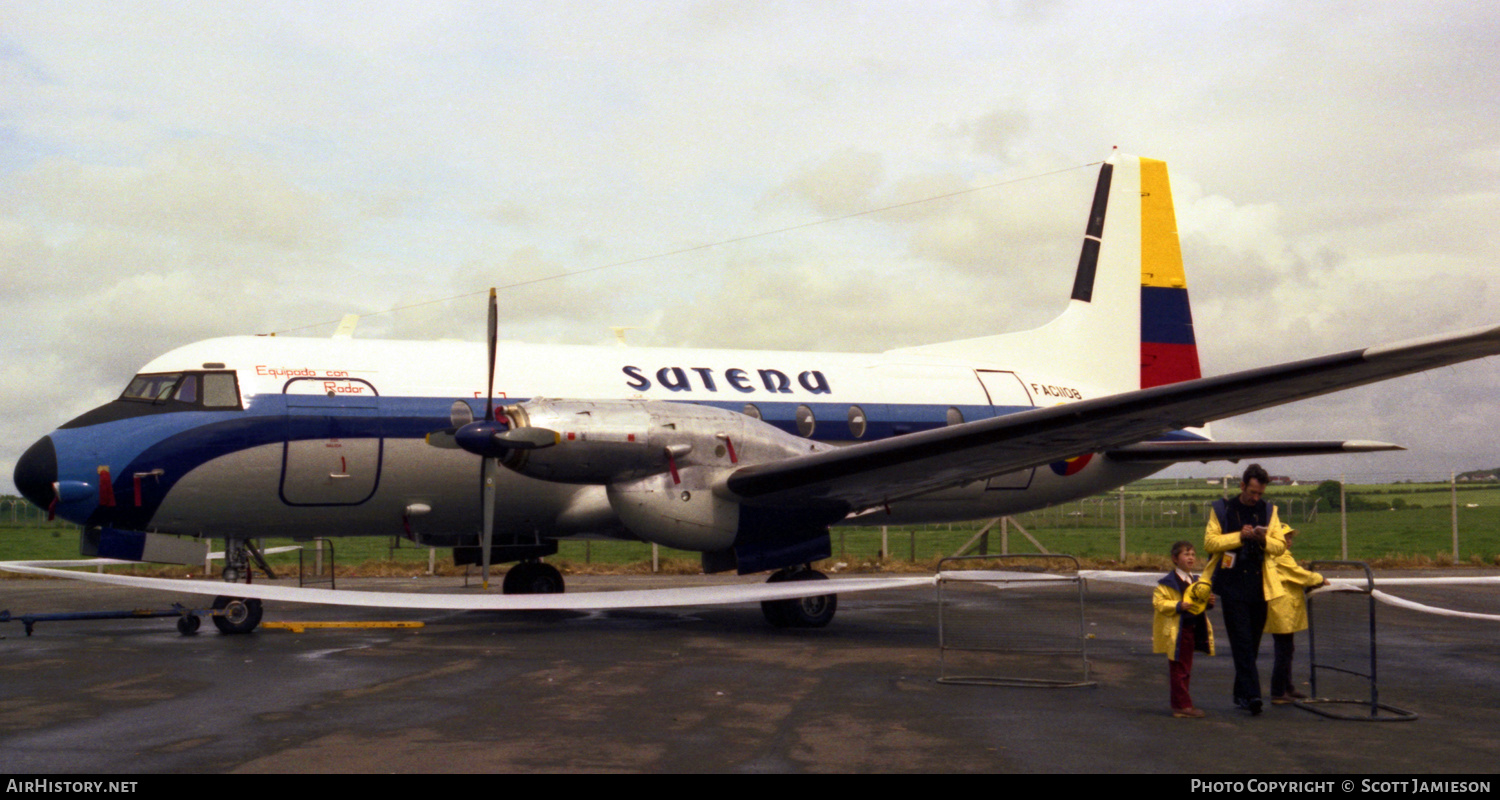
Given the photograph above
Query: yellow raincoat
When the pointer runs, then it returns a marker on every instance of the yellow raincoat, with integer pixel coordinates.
(1288, 613)
(1216, 542)
(1167, 621)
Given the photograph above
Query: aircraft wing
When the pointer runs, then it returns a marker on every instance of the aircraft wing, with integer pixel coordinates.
(1175, 452)
(870, 474)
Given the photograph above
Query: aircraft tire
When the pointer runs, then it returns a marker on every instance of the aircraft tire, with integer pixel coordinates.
(533, 577)
(240, 615)
(187, 624)
(803, 612)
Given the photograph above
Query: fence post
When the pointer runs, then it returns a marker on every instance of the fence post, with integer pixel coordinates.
(1453, 491)
(1343, 521)
(1122, 523)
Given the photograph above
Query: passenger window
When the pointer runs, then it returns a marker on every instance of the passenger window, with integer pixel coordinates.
(752, 411)
(955, 417)
(857, 422)
(805, 421)
(220, 391)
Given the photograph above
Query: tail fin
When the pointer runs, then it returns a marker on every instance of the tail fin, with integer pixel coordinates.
(1169, 350)
(1129, 281)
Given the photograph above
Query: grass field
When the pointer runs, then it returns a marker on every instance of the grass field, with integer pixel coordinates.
(1157, 513)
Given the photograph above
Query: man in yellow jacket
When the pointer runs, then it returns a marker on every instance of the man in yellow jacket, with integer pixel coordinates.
(1287, 615)
(1244, 537)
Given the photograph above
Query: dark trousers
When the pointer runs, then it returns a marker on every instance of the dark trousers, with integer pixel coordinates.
(1180, 669)
(1244, 621)
(1281, 669)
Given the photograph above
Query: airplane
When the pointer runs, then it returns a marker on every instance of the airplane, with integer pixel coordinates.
(747, 457)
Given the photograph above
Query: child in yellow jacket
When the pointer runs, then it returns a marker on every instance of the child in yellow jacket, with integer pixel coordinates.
(1287, 614)
(1180, 627)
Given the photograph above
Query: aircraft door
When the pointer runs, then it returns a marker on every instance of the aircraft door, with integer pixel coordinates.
(1007, 395)
(334, 445)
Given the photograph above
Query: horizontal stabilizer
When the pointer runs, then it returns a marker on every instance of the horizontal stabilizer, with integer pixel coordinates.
(1175, 452)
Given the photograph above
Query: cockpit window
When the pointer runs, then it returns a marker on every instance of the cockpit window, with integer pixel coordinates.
(219, 390)
(181, 391)
(151, 388)
(187, 391)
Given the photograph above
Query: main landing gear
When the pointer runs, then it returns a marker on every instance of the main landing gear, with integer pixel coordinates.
(235, 614)
(802, 612)
(532, 577)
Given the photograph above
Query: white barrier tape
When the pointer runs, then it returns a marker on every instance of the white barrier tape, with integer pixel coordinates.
(988, 575)
(1442, 612)
(655, 598)
(722, 594)
(1120, 576)
(1359, 585)
(218, 555)
(75, 562)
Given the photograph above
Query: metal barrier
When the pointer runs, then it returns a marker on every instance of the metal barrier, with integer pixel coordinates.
(302, 579)
(1341, 651)
(1016, 618)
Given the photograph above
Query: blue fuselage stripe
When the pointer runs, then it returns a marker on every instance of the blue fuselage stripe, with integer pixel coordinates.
(178, 443)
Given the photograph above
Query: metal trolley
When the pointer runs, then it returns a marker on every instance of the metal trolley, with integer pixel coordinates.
(1341, 651)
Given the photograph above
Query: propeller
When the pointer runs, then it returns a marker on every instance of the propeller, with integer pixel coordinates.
(486, 431)
(491, 438)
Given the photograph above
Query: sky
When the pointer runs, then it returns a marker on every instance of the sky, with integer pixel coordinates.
(174, 171)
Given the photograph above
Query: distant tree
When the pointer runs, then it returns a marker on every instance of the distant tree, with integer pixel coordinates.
(1328, 492)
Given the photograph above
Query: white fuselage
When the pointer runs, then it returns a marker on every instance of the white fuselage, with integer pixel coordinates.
(329, 440)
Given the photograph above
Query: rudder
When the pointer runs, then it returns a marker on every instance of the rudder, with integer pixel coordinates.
(1169, 349)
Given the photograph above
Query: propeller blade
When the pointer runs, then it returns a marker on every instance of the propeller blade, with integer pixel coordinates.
(489, 519)
(443, 440)
(460, 414)
(527, 438)
(494, 335)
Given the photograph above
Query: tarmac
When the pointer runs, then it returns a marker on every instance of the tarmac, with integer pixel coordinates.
(703, 689)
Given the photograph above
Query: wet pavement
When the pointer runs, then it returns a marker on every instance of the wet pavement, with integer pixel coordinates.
(689, 690)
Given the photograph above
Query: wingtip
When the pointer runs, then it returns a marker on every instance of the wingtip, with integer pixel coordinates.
(1368, 446)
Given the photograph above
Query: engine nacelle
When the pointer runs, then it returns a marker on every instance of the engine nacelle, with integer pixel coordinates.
(610, 441)
(662, 464)
(684, 513)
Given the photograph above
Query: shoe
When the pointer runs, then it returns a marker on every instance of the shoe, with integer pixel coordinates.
(1292, 695)
(1254, 707)
(1188, 713)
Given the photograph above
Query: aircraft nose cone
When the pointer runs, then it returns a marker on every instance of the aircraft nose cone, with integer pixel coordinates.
(37, 471)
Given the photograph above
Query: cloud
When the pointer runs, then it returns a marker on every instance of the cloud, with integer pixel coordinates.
(170, 172)
(841, 184)
(193, 191)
